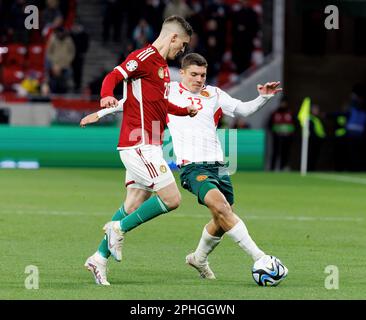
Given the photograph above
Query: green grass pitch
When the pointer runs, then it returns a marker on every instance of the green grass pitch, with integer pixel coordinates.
(53, 218)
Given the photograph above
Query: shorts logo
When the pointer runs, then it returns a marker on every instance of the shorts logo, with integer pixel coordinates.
(161, 73)
(201, 178)
(131, 65)
(163, 168)
(205, 93)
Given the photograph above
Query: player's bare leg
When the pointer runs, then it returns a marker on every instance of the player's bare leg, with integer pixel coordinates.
(134, 198)
(233, 226)
(224, 221)
(170, 195)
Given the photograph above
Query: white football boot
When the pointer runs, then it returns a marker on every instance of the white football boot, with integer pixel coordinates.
(98, 269)
(203, 268)
(115, 239)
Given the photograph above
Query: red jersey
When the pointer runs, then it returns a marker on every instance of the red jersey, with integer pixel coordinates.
(145, 97)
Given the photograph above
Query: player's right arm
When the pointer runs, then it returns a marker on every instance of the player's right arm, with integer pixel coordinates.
(109, 83)
(130, 68)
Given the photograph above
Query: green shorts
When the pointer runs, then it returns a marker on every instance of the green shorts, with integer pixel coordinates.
(199, 178)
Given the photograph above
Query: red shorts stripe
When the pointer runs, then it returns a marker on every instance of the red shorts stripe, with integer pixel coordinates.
(154, 169)
(149, 169)
(129, 182)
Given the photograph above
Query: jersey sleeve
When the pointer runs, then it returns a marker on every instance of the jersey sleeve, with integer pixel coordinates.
(132, 67)
(227, 103)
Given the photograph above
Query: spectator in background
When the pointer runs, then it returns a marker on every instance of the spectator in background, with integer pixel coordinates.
(213, 56)
(95, 85)
(29, 86)
(153, 12)
(316, 136)
(356, 129)
(51, 18)
(142, 34)
(16, 30)
(177, 7)
(112, 19)
(60, 53)
(282, 127)
(218, 11)
(195, 45)
(197, 18)
(339, 121)
(244, 23)
(81, 42)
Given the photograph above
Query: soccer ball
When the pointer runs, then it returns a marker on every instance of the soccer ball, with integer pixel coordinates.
(268, 271)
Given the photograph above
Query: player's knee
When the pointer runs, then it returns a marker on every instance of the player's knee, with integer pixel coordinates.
(130, 207)
(173, 201)
(221, 210)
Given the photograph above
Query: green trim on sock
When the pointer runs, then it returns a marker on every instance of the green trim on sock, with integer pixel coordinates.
(162, 205)
(150, 209)
(103, 248)
(120, 214)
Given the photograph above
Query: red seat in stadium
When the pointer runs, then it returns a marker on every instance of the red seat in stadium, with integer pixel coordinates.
(12, 75)
(16, 55)
(35, 57)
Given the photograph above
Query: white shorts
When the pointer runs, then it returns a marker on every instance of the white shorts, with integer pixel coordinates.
(146, 168)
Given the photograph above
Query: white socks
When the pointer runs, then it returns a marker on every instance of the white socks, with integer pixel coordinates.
(205, 246)
(239, 233)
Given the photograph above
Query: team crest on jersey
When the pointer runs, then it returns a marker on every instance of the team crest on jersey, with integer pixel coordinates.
(163, 168)
(131, 65)
(205, 93)
(201, 178)
(161, 73)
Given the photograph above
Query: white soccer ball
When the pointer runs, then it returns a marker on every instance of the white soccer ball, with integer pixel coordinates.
(269, 271)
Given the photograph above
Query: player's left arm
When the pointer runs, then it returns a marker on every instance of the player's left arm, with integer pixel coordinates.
(237, 107)
(95, 116)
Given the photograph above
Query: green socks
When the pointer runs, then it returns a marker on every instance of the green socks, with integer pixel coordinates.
(103, 247)
(150, 209)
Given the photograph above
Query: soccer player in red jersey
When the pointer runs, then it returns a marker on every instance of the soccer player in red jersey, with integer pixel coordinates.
(145, 103)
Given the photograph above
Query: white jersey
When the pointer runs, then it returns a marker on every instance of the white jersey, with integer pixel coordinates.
(195, 139)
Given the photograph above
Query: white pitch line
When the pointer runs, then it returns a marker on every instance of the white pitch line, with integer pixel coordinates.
(48, 212)
(305, 218)
(339, 178)
(182, 215)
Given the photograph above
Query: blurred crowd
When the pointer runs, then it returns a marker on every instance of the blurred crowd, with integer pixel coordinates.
(44, 60)
(338, 138)
(51, 59)
(226, 31)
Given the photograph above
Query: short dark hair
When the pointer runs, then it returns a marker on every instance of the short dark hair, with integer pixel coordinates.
(182, 22)
(193, 59)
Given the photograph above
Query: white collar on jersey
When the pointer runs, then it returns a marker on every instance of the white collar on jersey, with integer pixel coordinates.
(184, 88)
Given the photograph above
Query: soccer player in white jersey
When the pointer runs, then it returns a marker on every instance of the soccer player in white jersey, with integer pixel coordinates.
(200, 157)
